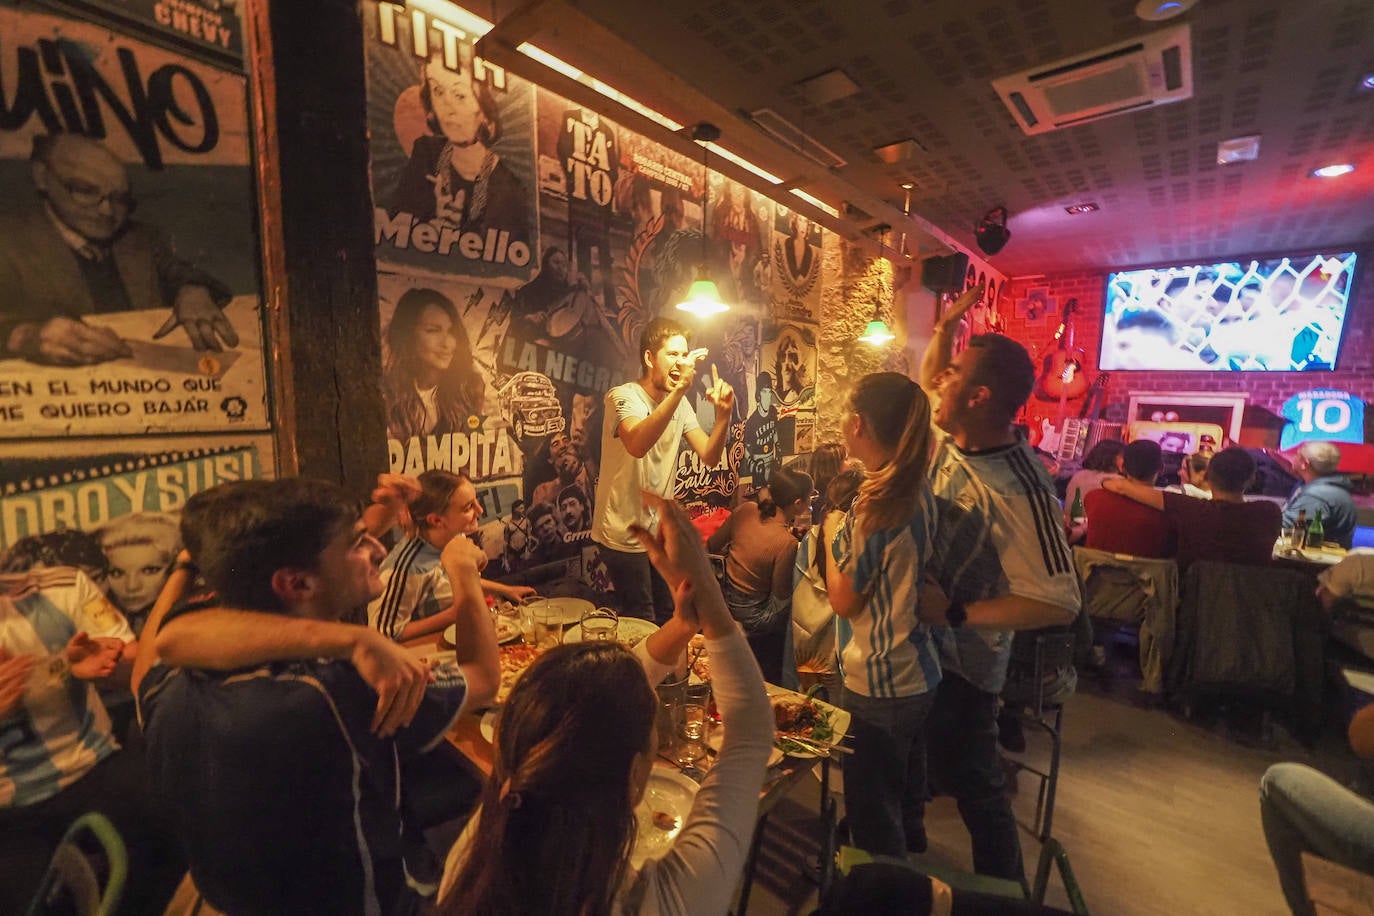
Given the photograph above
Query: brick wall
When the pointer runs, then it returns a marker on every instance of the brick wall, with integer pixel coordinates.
(1355, 372)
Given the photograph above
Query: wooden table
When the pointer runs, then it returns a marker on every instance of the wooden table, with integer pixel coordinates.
(1320, 557)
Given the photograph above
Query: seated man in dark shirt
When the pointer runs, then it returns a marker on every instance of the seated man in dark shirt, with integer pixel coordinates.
(277, 745)
(1224, 528)
(1118, 523)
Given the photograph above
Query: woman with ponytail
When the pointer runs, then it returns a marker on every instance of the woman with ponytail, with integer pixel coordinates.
(887, 657)
(758, 567)
(575, 745)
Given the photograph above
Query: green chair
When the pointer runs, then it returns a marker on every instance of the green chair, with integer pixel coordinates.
(72, 882)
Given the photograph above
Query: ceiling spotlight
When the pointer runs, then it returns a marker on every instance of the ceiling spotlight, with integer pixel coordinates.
(1160, 10)
(1335, 170)
(1077, 209)
(1368, 81)
(908, 185)
(992, 232)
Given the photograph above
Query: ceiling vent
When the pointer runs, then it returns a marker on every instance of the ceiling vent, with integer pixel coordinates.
(1117, 79)
(792, 136)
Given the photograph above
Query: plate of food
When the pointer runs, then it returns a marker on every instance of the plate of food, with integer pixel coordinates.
(662, 813)
(507, 630)
(800, 716)
(515, 658)
(570, 610)
(629, 631)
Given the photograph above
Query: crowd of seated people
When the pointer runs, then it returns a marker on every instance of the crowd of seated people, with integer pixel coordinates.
(1225, 528)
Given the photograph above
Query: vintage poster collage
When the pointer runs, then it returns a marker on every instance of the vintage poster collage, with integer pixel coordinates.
(131, 337)
(523, 243)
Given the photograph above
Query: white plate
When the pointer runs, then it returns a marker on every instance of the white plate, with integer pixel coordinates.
(570, 610)
(506, 631)
(839, 723)
(669, 792)
(775, 754)
(487, 726)
(433, 654)
(629, 630)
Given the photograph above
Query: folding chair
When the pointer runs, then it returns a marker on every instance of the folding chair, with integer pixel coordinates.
(72, 882)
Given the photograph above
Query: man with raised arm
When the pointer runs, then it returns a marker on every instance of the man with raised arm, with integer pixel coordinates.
(646, 421)
(276, 734)
(1001, 558)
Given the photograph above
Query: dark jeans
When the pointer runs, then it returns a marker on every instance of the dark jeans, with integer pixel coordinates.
(639, 588)
(117, 788)
(885, 777)
(961, 735)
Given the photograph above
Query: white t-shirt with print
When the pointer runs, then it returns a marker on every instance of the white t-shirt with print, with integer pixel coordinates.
(618, 503)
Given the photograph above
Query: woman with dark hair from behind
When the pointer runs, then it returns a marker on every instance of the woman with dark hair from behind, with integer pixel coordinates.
(887, 657)
(431, 384)
(758, 567)
(575, 746)
(827, 460)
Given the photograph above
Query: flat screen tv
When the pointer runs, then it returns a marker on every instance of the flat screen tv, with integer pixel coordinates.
(1280, 314)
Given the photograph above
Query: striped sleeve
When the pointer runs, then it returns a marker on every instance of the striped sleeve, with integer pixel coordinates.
(401, 591)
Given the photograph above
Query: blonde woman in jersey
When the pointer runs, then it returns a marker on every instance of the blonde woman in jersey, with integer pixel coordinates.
(887, 658)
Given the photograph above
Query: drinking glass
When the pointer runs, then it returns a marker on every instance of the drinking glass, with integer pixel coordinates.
(533, 611)
(548, 626)
(670, 696)
(600, 625)
(693, 737)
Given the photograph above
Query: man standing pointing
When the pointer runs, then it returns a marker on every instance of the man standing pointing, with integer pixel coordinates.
(646, 421)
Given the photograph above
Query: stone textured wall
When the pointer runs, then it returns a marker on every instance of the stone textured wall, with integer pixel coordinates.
(854, 282)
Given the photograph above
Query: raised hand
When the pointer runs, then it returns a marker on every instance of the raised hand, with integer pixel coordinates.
(960, 306)
(676, 551)
(463, 555)
(720, 394)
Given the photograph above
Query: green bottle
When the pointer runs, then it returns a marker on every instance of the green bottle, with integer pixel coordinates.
(1316, 532)
(1076, 511)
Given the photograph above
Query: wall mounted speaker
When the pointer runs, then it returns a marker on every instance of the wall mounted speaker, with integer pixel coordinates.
(942, 274)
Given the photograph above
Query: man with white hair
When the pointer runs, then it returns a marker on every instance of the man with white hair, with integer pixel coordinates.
(1322, 489)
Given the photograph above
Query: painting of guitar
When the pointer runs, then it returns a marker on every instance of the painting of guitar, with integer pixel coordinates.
(1061, 373)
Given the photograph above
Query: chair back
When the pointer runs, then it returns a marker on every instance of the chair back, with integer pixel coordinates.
(72, 883)
(1037, 655)
(1252, 631)
(1122, 591)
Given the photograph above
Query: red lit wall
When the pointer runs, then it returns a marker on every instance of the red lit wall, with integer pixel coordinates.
(1355, 372)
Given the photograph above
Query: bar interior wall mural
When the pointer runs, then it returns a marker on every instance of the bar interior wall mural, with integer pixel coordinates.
(132, 372)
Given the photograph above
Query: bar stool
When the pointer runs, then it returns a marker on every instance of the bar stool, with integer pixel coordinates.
(1037, 655)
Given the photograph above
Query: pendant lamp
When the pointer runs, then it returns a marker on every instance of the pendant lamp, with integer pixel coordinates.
(877, 332)
(703, 297)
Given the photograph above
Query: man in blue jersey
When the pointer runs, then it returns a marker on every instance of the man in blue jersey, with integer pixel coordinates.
(59, 636)
(1001, 558)
(277, 747)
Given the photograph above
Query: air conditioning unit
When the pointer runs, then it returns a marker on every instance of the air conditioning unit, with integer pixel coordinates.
(792, 136)
(1132, 75)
